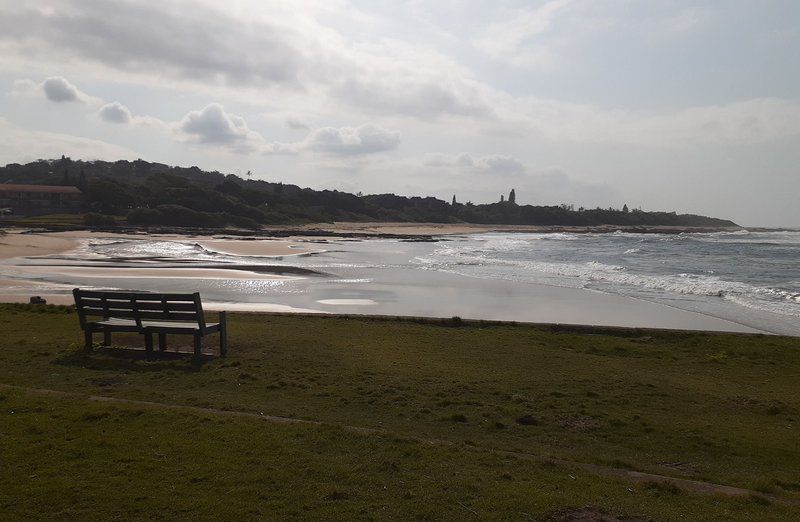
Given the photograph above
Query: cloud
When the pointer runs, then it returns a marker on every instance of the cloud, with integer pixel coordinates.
(211, 125)
(56, 89)
(512, 39)
(265, 51)
(365, 139)
(491, 164)
(25, 87)
(746, 122)
(288, 51)
(296, 124)
(115, 112)
(20, 145)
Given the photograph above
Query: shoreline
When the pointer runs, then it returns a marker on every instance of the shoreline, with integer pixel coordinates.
(392, 293)
(354, 229)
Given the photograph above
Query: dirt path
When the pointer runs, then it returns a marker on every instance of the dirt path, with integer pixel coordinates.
(694, 486)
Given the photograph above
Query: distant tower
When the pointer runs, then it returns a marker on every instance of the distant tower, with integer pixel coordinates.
(502, 198)
(454, 200)
(512, 197)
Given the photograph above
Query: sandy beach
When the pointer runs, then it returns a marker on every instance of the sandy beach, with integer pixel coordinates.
(16, 244)
(22, 243)
(50, 264)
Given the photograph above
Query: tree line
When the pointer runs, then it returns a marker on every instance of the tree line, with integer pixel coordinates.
(148, 193)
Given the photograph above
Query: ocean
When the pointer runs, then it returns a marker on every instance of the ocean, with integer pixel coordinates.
(750, 279)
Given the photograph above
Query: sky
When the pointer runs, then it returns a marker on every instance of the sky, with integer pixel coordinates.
(687, 106)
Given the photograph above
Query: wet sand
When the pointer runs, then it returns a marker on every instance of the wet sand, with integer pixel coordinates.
(152, 273)
(386, 292)
(256, 247)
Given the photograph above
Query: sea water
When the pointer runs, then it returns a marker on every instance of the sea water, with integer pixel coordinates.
(750, 278)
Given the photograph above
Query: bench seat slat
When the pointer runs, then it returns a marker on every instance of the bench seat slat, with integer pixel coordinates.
(169, 305)
(177, 327)
(130, 314)
(145, 296)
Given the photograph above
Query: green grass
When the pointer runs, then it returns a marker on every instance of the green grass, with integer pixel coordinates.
(719, 408)
(45, 220)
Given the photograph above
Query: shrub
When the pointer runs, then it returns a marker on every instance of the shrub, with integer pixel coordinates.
(93, 219)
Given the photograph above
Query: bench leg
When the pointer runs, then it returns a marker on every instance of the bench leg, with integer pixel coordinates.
(148, 344)
(197, 348)
(107, 338)
(223, 334)
(162, 342)
(87, 340)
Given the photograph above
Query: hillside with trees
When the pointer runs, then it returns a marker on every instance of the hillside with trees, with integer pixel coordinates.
(149, 193)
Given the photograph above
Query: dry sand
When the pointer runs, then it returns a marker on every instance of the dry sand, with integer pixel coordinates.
(16, 244)
(465, 297)
(19, 243)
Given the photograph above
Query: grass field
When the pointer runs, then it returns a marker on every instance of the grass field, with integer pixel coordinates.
(476, 421)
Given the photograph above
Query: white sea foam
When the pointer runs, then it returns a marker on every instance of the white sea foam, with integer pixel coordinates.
(488, 263)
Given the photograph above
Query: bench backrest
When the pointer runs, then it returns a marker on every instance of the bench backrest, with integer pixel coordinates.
(139, 306)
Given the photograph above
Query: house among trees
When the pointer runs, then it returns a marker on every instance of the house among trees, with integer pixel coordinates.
(37, 199)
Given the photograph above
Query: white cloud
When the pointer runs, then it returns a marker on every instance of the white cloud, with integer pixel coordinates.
(296, 124)
(365, 139)
(513, 39)
(115, 112)
(25, 87)
(491, 164)
(746, 122)
(288, 52)
(213, 126)
(56, 89)
(20, 145)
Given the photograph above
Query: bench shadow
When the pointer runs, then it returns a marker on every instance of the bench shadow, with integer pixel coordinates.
(134, 360)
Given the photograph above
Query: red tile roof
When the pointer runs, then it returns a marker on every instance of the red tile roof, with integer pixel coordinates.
(49, 189)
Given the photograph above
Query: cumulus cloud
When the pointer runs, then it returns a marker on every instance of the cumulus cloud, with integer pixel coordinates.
(492, 163)
(211, 125)
(365, 139)
(207, 45)
(292, 55)
(115, 112)
(56, 89)
(340, 141)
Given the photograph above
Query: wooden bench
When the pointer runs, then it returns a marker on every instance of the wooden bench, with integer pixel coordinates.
(148, 314)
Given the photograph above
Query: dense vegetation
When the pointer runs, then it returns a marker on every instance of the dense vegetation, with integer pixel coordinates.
(156, 194)
(455, 420)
